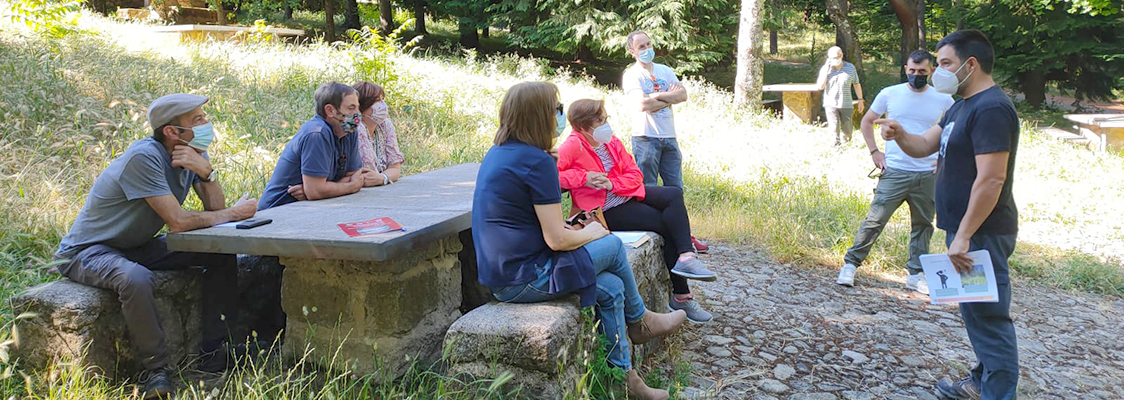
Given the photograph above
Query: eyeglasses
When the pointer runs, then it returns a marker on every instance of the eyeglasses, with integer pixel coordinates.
(559, 108)
(874, 173)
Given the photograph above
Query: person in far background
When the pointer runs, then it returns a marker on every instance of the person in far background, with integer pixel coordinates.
(378, 141)
(836, 79)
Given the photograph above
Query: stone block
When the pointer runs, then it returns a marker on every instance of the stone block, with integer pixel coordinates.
(542, 344)
(78, 322)
(137, 14)
(376, 312)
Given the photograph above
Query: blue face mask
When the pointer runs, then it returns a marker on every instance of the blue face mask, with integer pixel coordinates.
(204, 135)
(560, 121)
(647, 55)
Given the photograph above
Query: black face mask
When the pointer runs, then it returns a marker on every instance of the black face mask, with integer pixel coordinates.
(918, 81)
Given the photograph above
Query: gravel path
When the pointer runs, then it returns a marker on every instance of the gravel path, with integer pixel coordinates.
(785, 332)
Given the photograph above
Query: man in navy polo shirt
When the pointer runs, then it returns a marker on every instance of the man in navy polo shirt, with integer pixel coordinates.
(322, 161)
(977, 141)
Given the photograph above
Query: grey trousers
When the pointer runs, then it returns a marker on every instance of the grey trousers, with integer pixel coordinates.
(128, 272)
(990, 327)
(894, 187)
(839, 123)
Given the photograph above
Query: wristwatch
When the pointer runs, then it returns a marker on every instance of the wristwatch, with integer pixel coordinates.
(214, 176)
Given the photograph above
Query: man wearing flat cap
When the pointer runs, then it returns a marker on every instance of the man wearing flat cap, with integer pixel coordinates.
(113, 242)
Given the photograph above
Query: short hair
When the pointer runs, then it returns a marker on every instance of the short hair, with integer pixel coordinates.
(920, 56)
(331, 93)
(158, 132)
(834, 50)
(527, 114)
(969, 43)
(368, 93)
(631, 38)
(584, 112)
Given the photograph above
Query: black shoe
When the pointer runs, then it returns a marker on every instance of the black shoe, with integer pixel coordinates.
(214, 361)
(156, 384)
(965, 389)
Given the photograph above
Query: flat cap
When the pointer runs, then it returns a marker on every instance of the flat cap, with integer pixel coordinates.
(167, 108)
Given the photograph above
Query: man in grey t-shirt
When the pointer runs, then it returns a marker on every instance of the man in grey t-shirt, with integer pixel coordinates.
(112, 243)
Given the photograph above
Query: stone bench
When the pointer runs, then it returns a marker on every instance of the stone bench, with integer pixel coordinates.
(542, 344)
(75, 322)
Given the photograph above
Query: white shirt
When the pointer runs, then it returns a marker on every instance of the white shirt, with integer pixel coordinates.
(637, 80)
(917, 112)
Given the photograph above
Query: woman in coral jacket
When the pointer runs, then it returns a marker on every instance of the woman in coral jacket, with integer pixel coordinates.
(594, 165)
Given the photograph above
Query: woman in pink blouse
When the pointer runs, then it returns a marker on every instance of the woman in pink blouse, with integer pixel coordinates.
(378, 142)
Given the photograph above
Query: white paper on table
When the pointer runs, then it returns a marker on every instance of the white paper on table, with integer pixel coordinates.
(233, 224)
(946, 285)
(631, 238)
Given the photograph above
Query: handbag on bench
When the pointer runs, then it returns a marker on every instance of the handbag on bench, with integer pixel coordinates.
(582, 218)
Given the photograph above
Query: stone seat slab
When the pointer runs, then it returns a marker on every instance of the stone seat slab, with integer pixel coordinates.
(75, 322)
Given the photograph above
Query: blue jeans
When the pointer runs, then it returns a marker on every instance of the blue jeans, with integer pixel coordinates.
(990, 327)
(618, 301)
(659, 156)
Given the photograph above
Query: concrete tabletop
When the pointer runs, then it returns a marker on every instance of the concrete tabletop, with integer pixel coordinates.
(791, 87)
(431, 206)
(1101, 120)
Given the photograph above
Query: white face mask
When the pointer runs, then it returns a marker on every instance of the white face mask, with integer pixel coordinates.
(945, 81)
(834, 62)
(379, 112)
(603, 134)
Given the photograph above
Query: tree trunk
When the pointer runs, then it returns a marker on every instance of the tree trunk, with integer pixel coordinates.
(221, 11)
(330, 21)
(585, 54)
(922, 32)
(469, 36)
(852, 50)
(844, 5)
(486, 32)
(958, 11)
(906, 11)
(386, 17)
(773, 41)
(1034, 87)
(419, 17)
(751, 67)
(351, 15)
(288, 12)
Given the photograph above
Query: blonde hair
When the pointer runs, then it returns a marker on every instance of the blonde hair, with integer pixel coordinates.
(528, 114)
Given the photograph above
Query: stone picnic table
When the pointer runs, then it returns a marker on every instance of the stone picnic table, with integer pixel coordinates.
(1104, 131)
(198, 33)
(802, 101)
(378, 299)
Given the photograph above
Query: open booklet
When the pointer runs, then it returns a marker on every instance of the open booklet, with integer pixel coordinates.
(631, 238)
(946, 285)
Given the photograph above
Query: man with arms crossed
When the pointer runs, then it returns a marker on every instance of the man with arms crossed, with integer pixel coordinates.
(654, 88)
(112, 245)
(977, 140)
(917, 107)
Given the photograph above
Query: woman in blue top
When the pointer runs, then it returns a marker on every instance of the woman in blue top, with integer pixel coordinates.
(524, 251)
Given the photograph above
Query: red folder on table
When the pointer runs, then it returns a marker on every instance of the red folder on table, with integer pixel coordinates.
(370, 227)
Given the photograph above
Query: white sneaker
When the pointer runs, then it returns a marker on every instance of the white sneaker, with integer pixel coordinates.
(917, 282)
(846, 275)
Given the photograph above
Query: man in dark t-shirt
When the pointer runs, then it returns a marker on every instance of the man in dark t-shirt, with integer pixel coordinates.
(977, 140)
